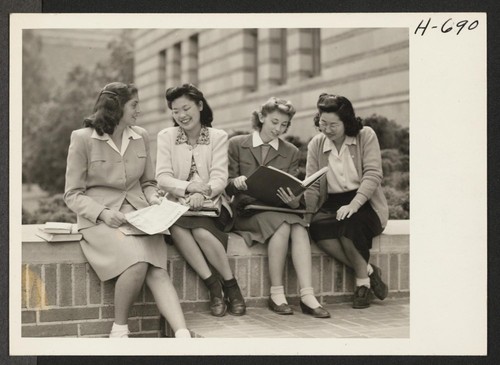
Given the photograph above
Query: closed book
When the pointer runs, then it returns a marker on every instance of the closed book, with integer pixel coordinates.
(202, 213)
(58, 227)
(58, 237)
(275, 209)
(263, 184)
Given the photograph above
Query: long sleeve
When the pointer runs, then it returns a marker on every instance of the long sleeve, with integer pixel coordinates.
(148, 182)
(312, 165)
(234, 166)
(164, 168)
(372, 173)
(76, 179)
(218, 170)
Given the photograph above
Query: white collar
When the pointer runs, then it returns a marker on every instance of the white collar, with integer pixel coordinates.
(127, 133)
(257, 141)
(328, 146)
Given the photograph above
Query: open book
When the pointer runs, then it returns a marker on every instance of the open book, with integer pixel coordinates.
(263, 184)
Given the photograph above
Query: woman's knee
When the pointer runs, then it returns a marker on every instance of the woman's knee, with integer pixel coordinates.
(156, 273)
(201, 235)
(283, 230)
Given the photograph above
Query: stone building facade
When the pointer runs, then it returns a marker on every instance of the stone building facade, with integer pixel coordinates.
(238, 69)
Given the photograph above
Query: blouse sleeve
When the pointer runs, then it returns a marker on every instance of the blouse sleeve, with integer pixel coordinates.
(164, 168)
(76, 181)
(148, 182)
(371, 157)
(218, 169)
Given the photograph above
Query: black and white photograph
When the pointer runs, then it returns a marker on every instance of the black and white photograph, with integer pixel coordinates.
(222, 180)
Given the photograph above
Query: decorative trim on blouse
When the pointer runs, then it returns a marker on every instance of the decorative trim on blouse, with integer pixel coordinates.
(203, 138)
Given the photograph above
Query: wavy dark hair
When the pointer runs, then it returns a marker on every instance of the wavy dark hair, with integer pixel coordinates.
(108, 108)
(272, 104)
(194, 94)
(340, 105)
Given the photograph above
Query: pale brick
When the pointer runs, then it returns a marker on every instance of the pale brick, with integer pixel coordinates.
(28, 317)
(51, 284)
(68, 314)
(255, 276)
(266, 282)
(191, 278)
(65, 287)
(94, 286)
(338, 277)
(242, 275)
(178, 277)
(327, 274)
(80, 283)
(291, 286)
(35, 286)
(405, 272)
(316, 273)
(394, 272)
(150, 324)
(350, 280)
(109, 291)
(52, 330)
(24, 286)
(96, 328)
(202, 290)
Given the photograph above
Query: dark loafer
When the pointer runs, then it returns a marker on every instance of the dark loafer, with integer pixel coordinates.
(283, 309)
(379, 288)
(217, 307)
(319, 312)
(362, 297)
(236, 307)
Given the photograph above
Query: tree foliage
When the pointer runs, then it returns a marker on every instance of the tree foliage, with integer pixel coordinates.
(57, 118)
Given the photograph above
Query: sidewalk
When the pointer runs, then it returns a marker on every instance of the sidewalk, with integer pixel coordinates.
(384, 319)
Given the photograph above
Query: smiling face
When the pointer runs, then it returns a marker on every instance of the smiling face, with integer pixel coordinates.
(131, 111)
(332, 127)
(186, 113)
(273, 125)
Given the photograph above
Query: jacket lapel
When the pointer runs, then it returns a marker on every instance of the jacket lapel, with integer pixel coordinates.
(255, 151)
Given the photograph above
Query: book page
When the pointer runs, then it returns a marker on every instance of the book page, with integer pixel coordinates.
(283, 172)
(312, 179)
(156, 218)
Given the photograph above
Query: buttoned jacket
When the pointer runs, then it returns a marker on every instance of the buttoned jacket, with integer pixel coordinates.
(173, 162)
(365, 153)
(99, 177)
(245, 159)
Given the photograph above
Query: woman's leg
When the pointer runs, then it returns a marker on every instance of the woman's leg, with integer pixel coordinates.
(333, 247)
(362, 291)
(127, 287)
(214, 251)
(189, 249)
(166, 297)
(216, 255)
(277, 249)
(302, 261)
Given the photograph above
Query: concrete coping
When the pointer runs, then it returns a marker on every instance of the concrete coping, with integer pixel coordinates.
(395, 238)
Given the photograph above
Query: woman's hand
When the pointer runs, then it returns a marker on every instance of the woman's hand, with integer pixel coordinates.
(195, 201)
(288, 198)
(346, 211)
(112, 218)
(199, 187)
(156, 200)
(239, 183)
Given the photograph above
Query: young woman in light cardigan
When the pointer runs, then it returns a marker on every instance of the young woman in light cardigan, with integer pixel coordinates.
(350, 204)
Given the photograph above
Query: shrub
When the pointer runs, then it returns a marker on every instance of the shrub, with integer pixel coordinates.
(51, 209)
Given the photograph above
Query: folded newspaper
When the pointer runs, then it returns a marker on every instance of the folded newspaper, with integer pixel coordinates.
(156, 218)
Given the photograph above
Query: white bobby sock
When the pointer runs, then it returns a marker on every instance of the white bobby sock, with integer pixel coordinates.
(119, 330)
(363, 282)
(369, 268)
(182, 333)
(278, 295)
(307, 297)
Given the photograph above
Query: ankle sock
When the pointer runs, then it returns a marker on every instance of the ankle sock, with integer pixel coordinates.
(119, 330)
(182, 333)
(232, 289)
(369, 268)
(214, 286)
(307, 297)
(278, 295)
(363, 282)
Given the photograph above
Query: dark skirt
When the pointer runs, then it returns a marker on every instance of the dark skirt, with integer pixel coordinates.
(218, 226)
(360, 228)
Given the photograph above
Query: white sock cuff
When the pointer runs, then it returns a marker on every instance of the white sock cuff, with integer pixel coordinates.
(363, 282)
(306, 291)
(119, 327)
(277, 289)
(369, 269)
(182, 333)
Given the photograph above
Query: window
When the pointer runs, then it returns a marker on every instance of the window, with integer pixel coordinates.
(316, 52)
(283, 56)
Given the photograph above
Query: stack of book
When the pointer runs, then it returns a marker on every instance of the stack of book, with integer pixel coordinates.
(59, 232)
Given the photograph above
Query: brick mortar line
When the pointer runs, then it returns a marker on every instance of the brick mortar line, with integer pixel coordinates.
(43, 294)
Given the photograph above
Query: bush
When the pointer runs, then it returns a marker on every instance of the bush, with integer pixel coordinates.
(51, 209)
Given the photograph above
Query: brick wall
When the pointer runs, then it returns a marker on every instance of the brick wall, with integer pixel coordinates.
(62, 296)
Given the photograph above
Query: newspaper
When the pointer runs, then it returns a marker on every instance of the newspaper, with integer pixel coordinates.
(156, 218)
